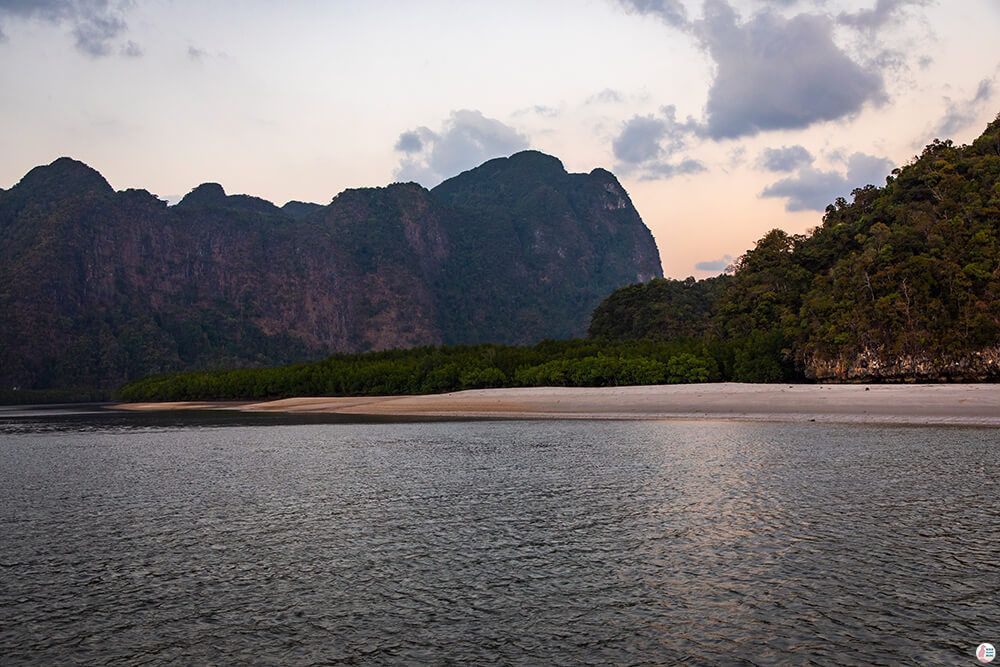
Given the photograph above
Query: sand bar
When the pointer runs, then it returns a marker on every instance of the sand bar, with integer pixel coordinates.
(969, 404)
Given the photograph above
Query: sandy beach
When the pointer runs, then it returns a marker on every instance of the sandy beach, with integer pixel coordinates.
(968, 404)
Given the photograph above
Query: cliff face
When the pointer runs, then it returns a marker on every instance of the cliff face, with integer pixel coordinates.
(98, 286)
(536, 249)
(871, 366)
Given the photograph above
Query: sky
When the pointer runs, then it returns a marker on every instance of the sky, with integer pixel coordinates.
(723, 119)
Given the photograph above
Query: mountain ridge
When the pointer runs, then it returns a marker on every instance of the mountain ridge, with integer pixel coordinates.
(98, 287)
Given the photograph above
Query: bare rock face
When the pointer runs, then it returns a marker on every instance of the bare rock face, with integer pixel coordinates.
(872, 366)
(98, 287)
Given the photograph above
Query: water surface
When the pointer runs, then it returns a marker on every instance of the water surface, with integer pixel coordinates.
(226, 539)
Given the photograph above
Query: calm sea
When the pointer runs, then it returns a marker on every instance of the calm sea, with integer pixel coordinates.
(227, 539)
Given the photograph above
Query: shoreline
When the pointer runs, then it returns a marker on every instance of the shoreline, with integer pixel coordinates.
(927, 404)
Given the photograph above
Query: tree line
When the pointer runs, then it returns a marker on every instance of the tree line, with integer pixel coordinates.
(570, 363)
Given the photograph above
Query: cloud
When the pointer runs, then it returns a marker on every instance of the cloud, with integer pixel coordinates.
(715, 264)
(775, 73)
(410, 142)
(132, 50)
(962, 114)
(882, 13)
(772, 72)
(786, 158)
(737, 156)
(663, 170)
(466, 139)
(606, 96)
(672, 12)
(812, 189)
(646, 143)
(93, 36)
(194, 53)
(538, 110)
(94, 24)
(640, 140)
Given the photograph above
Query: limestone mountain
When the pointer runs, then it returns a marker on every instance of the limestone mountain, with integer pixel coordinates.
(98, 286)
(901, 283)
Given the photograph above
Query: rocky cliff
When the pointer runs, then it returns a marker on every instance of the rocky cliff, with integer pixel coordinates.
(871, 366)
(98, 286)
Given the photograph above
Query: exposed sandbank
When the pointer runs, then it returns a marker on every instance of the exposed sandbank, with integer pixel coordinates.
(973, 404)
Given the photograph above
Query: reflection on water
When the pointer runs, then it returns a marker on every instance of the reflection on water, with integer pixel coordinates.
(130, 540)
(103, 418)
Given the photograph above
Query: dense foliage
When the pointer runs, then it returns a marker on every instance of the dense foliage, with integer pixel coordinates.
(661, 309)
(902, 282)
(571, 363)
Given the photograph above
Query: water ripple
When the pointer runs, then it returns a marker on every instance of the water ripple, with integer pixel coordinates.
(497, 542)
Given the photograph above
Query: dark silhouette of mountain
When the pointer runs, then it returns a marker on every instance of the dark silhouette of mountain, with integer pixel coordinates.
(524, 218)
(98, 287)
(63, 179)
(211, 195)
(299, 209)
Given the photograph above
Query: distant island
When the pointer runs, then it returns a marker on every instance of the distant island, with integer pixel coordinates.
(99, 287)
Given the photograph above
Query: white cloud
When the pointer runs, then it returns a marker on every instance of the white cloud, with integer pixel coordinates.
(775, 73)
(878, 16)
(646, 145)
(606, 96)
(961, 114)
(94, 24)
(786, 158)
(466, 140)
(672, 12)
(813, 189)
(715, 264)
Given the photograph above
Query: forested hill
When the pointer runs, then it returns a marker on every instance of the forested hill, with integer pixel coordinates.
(98, 287)
(902, 282)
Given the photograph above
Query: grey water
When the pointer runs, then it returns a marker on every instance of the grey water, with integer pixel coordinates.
(231, 539)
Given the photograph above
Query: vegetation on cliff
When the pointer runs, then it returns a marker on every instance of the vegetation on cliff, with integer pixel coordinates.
(661, 309)
(902, 282)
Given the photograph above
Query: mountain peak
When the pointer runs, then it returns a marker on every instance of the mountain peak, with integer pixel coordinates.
(532, 161)
(206, 194)
(212, 195)
(536, 159)
(297, 210)
(525, 169)
(62, 179)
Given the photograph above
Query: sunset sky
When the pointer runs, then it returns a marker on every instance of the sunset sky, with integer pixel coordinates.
(722, 118)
